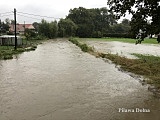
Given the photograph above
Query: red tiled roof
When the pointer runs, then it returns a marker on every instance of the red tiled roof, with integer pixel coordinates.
(21, 27)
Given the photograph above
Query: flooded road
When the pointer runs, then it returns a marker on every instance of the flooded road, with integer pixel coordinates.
(125, 49)
(60, 82)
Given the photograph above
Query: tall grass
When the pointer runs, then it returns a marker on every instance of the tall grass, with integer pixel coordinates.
(83, 47)
(146, 65)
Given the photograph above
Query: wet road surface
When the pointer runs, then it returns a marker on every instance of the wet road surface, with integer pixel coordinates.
(60, 82)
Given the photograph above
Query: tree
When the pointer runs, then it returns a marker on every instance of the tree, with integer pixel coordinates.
(126, 26)
(91, 22)
(142, 11)
(29, 34)
(102, 20)
(48, 29)
(53, 29)
(83, 19)
(66, 28)
(7, 21)
(139, 23)
(36, 26)
(4, 27)
(12, 22)
(44, 28)
(125, 22)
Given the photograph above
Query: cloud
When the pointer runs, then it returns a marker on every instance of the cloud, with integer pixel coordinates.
(54, 8)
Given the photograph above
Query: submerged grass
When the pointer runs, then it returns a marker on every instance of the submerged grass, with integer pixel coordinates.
(7, 52)
(146, 65)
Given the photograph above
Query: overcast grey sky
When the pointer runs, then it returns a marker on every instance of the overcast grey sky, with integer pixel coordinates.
(52, 8)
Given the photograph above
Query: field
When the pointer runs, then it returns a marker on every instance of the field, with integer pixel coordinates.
(127, 40)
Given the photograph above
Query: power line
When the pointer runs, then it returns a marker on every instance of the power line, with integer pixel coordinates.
(29, 17)
(38, 15)
(5, 12)
(6, 15)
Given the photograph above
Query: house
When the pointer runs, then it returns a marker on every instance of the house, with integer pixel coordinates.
(8, 40)
(21, 28)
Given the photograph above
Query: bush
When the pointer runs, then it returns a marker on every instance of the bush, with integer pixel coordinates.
(84, 47)
(7, 57)
(74, 41)
(40, 37)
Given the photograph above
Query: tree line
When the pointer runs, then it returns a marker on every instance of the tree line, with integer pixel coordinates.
(102, 22)
(82, 22)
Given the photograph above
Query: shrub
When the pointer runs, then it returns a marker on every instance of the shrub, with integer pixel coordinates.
(84, 47)
(7, 57)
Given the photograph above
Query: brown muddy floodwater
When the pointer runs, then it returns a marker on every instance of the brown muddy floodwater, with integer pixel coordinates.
(59, 82)
(125, 49)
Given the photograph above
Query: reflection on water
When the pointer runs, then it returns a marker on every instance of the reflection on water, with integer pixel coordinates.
(59, 82)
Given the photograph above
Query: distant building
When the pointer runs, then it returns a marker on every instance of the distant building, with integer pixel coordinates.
(21, 28)
(9, 40)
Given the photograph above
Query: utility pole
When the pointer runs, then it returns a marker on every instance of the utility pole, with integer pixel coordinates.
(15, 29)
(24, 27)
(0, 25)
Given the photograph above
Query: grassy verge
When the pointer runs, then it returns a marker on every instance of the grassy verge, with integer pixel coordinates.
(127, 40)
(83, 47)
(147, 66)
(7, 52)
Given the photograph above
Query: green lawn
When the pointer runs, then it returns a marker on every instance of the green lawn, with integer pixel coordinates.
(127, 40)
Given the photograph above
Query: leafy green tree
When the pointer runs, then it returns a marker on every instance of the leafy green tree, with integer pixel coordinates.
(7, 21)
(102, 20)
(44, 28)
(36, 26)
(53, 29)
(66, 28)
(29, 34)
(4, 27)
(47, 29)
(142, 10)
(83, 19)
(91, 22)
(126, 26)
(118, 28)
(12, 22)
(138, 23)
(125, 22)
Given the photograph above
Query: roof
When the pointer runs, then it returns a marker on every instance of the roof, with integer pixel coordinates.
(21, 27)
